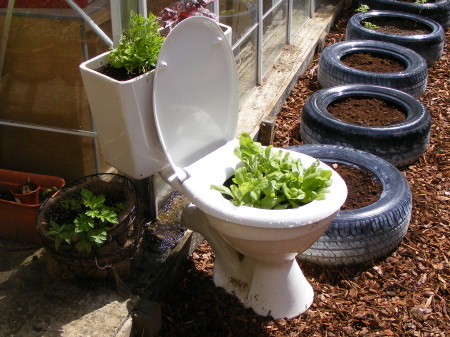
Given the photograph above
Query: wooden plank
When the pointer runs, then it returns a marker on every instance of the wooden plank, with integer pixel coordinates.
(267, 99)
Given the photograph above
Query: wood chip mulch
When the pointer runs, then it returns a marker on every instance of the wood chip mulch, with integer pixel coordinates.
(404, 294)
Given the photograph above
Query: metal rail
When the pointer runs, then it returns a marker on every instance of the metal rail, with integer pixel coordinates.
(74, 132)
(90, 22)
(5, 34)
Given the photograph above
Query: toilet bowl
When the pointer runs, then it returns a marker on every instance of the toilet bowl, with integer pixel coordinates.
(254, 248)
(195, 106)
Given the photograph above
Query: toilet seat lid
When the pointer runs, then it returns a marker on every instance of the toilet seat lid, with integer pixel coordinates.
(195, 94)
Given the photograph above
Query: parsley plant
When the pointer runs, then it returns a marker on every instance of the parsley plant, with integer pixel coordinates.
(139, 45)
(91, 223)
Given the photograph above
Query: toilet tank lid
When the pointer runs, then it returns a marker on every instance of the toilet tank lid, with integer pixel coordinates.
(195, 94)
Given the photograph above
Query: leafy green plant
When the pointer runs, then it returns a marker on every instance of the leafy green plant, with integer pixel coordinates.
(273, 179)
(362, 8)
(228, 11)
(49, 190)
(139, 45)
(370, 25)
(421, 3)
(90, 224)
(367, 24)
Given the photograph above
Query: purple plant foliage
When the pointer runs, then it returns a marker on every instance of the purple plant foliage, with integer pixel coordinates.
(171, 16)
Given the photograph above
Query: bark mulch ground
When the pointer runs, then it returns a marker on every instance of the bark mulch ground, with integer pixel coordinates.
(403, 294)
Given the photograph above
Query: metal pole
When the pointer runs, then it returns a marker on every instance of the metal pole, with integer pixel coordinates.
(259, 55)
(142, 6)
(116, 21)
(90, 22)
(289, 21)
(5, 34)
(215, 7)
(120, 15)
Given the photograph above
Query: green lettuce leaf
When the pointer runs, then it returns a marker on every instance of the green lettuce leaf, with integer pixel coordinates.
(273, 179)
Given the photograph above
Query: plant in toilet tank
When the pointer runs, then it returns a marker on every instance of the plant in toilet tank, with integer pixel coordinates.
(139, 45)
(273, 179)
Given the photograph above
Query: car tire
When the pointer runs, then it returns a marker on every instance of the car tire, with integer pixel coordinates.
(438, 10)
(368, 233)
(401, 144)
(332, 72)
(429, 46)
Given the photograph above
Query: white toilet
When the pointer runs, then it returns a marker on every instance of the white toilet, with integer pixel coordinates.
(195, 97)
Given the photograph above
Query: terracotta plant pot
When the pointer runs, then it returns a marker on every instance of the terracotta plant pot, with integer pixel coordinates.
(28, 196)
(18, 220)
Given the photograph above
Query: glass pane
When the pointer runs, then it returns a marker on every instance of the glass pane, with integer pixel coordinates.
(300, 13)
(41, 81)
(240, 15)
(275, 31)
(245, 55)
(156, 6)
(66, 156)
(317, 4)
(267, 5)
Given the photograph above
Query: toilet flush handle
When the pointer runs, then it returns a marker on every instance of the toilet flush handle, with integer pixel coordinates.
(162, 65)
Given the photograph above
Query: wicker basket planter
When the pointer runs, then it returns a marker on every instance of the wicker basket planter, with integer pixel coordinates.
(116, 256)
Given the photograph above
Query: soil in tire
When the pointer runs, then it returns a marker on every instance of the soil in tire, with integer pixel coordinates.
(373, 62)
(396, 26)
(367, 111)
(363, 187)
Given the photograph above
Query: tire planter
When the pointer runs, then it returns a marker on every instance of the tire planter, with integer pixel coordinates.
(401, 144)
(429, 46)
(117, 255)
(368, 233)
(438, 10)
(332, 72)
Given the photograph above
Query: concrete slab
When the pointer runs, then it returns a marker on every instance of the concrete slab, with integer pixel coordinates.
(33, 303)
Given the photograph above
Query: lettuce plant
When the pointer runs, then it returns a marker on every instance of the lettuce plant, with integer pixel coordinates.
(273, 179)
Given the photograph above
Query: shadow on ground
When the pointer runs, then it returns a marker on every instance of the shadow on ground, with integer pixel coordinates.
(33, 304)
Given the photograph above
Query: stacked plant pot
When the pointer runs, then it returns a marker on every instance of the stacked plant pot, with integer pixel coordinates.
(18, 210)
(375, 72)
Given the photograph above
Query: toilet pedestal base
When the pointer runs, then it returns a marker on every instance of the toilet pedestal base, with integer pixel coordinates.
(278, 290)
(269, 284)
